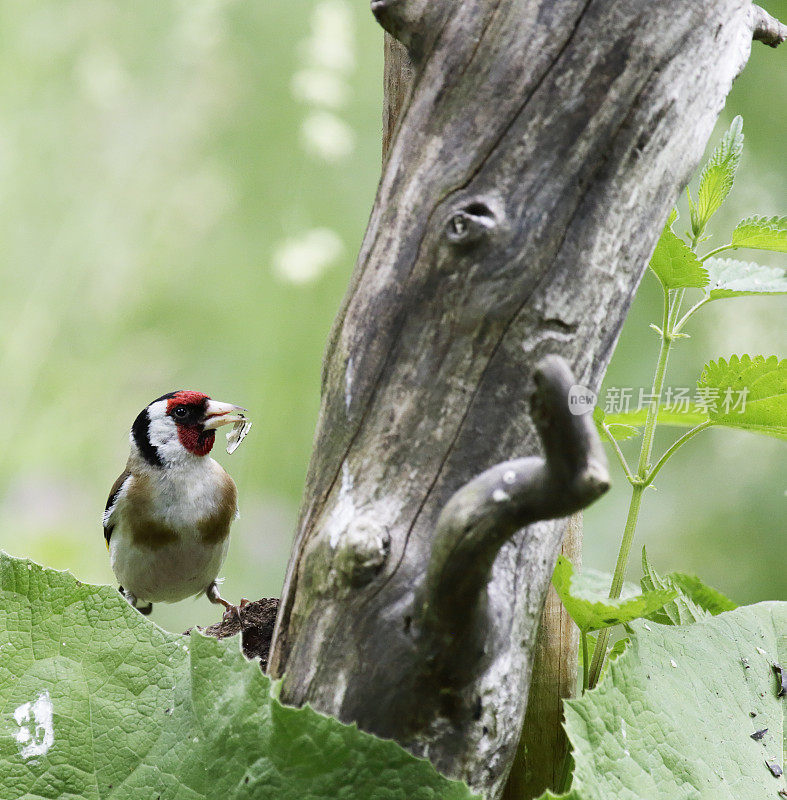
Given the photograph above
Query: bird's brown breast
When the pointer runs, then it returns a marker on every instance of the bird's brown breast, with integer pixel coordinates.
(216, 527)
(151, 532)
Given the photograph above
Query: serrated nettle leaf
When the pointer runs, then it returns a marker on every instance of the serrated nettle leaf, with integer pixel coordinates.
(675, 265)
(626, 424)
(97, 702)
(706, 597)
(591, 610)
(761, 233)
(673, 718)
(747, 393)
(731, 278)
(673, 217)
(681, 610)
(717, 177)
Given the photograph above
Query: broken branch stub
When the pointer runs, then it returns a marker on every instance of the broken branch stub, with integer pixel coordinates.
(765, 28)
(415, 23)
(488, 510)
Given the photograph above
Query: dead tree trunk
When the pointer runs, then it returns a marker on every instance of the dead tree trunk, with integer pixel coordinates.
(529, 175)
(540, 755)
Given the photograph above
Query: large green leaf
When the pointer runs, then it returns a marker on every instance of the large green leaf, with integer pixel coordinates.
(97, 702)
(748, 393)
(592, 610)
(761, 233)
(731, 278)
(675, 264)
(717, 177)
(673, 718)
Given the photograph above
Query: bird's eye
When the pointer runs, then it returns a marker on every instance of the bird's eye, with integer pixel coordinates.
(180, 411)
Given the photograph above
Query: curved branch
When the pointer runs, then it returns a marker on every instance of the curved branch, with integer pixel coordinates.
(487, 511)
(765, 28)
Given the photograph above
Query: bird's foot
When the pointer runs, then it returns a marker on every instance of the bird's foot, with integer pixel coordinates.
(229, 610)
(132, 601)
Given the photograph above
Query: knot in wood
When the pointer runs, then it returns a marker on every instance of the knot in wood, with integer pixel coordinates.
(471, 223)
(362, 551)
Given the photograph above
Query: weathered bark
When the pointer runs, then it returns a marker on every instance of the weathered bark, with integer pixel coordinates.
(538, 155)
(540, 756)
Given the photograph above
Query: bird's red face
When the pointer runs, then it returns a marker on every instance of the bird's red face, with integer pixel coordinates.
(180, 421)
(187, 409)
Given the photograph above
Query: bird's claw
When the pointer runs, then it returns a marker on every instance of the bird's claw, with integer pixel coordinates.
(229, 609)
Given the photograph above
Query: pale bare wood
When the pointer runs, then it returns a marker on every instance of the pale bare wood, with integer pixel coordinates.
(397, 81)
(538, 764)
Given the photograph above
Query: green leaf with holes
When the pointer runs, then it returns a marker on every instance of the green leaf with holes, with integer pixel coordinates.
(591, 610)
(673, 718)
(731, 278)
(98, 702)
(717, 177)
(761, 233)
(747, 392)
(675, 264)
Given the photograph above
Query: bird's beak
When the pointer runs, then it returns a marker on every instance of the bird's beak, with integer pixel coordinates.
(218, 414)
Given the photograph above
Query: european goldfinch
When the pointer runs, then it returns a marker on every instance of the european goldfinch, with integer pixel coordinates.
(168, 516)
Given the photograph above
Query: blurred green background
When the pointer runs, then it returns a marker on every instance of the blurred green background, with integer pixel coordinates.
(184, 188)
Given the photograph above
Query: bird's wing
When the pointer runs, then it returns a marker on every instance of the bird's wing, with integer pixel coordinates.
(112, 501)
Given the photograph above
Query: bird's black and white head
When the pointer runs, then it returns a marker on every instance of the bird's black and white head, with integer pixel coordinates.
(180, 427)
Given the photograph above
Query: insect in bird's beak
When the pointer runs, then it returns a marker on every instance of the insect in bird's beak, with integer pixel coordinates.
(218, 414)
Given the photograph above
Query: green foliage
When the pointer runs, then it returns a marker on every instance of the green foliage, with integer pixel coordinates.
(717, 178)
(627, 424)
(706, 597)
(613, 652)
(746, 393)
(675, 265)
(592, 610)
(731, 278)
(682, 610)
(695, 599)
(599, 582)
(673, 718)
(616, 651)
(761, 233)
(138, 712)
(763, 382)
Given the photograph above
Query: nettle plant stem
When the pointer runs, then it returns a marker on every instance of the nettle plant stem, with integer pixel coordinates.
(670, 331)
(641, 480)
